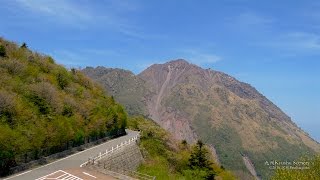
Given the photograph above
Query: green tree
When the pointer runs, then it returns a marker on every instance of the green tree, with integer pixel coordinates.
(41, 103)
(24, 46)
(2, 51)
(62, 80)
(200, 161)
(73, 70)
(198, 157)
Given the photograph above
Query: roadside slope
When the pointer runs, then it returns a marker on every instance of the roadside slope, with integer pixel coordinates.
(46, 108)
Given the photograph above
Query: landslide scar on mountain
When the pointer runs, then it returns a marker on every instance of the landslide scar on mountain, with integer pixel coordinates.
(194, 103)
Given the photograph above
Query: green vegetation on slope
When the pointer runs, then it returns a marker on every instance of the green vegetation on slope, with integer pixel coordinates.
(227, 134)
(127, 89)
(312, 170)
(230, 149)
(167, 158)
(44, 107)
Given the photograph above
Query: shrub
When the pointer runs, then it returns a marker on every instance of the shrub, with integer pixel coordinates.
(67, 111)
(40, 103)
(2, 51)
(51, 60)
(46, 94)
(184, 142)
(13, 66)
(24, 46)
(7, 108)
(62, 80)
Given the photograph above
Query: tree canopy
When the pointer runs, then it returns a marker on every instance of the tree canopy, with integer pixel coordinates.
(45, 107)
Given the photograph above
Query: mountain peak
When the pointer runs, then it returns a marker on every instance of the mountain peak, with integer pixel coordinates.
(195, 103)
(178, 62)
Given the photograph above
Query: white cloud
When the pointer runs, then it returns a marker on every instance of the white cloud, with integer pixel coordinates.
(59, 10)
(249, 20)
(100, 52)
(296, 42)
(111, 15)
(301, 40)
(69, 58)
(84, 57)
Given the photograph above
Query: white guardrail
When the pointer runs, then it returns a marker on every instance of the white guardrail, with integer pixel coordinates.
(113, 149)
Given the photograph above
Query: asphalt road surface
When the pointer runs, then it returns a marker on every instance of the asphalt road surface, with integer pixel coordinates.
(72, 161)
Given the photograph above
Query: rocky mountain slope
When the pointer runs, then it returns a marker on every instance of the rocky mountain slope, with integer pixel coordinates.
(195, 103)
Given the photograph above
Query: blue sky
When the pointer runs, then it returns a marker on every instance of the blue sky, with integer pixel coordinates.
(272, 45)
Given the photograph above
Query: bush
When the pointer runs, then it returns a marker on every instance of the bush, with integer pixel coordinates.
(7, 108)
(51, 60)
(24, 46)
(67, 111)
(40, 103)
(2, 51)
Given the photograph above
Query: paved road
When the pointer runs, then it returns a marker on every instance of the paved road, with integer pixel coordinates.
(72, 161)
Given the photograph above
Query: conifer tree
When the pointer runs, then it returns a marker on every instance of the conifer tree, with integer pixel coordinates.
(199, 160)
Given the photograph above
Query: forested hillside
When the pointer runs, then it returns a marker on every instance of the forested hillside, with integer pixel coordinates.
(45, 107)
(168, 158)
(127, 89)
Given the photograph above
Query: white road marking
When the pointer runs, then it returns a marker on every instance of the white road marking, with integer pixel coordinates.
(61, 176)
(18, 174)
(64, 158)
(65, 176)
(43, 177)
(89, 175)
(70, 176)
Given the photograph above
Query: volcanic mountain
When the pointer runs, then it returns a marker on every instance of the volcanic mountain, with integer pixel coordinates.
(243, 127)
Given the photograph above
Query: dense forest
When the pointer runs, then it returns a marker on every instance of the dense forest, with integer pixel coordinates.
(45, 107)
